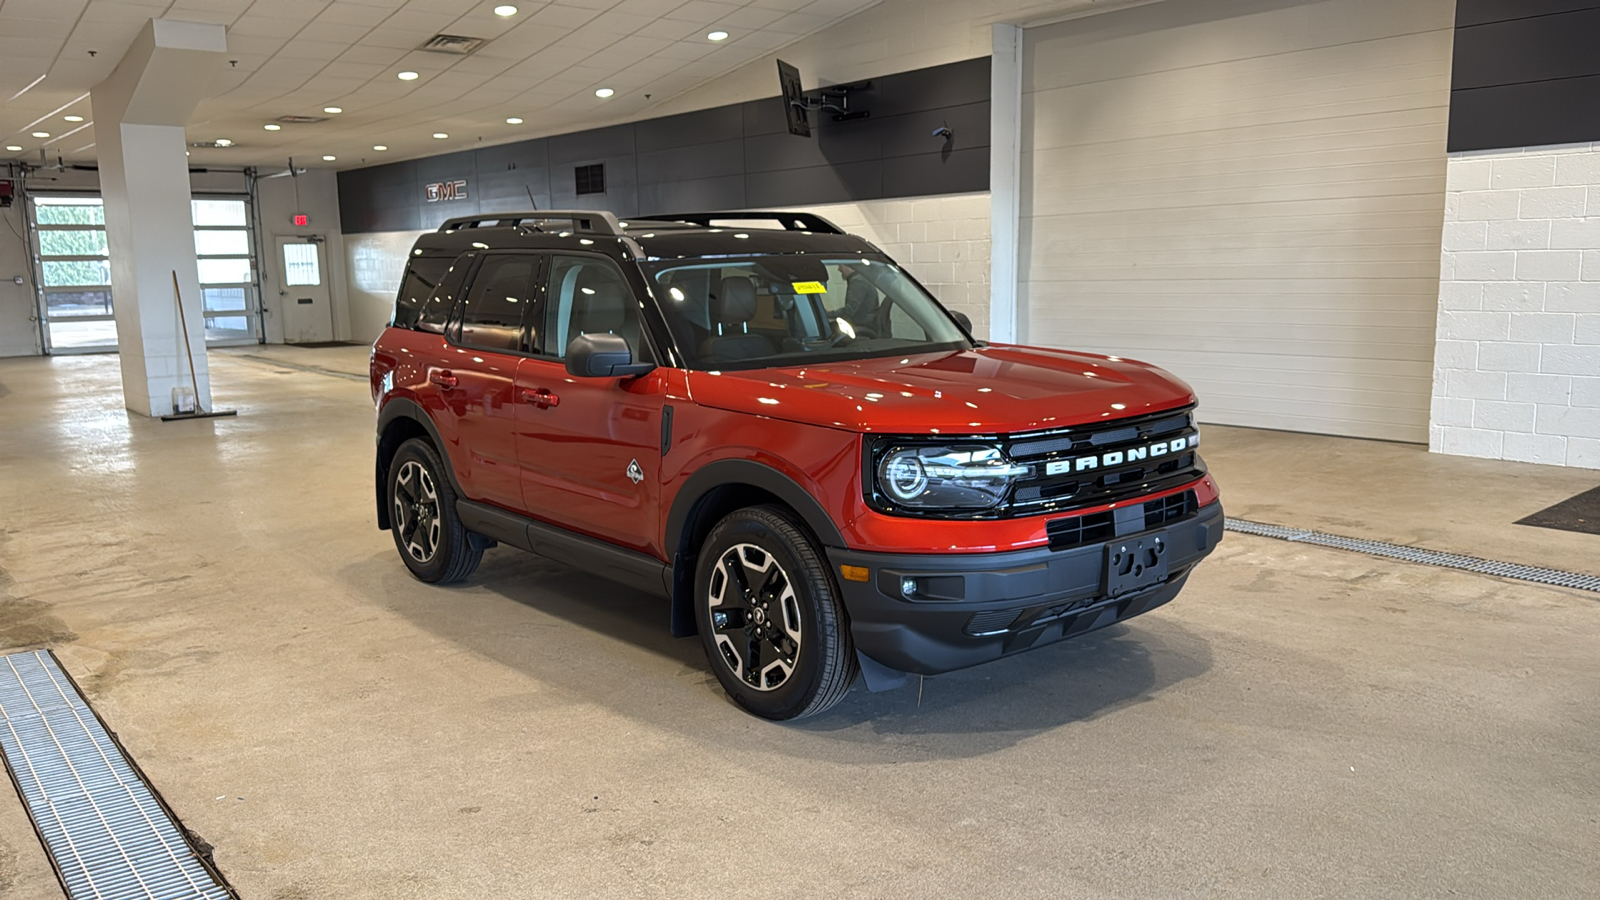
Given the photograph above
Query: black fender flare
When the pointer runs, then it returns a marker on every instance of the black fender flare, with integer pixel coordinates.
(404, 408)
(744, 471)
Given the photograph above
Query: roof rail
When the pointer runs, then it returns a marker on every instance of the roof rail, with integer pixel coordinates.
(791, 221)
(588, 221)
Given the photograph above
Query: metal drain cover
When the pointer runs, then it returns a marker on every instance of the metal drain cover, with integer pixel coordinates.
(1499, 568)
(108, 834)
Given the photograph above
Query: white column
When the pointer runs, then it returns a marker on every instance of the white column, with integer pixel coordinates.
(140, 112)
(1007, 317)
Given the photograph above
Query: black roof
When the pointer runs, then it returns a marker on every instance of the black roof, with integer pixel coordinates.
(667, 237)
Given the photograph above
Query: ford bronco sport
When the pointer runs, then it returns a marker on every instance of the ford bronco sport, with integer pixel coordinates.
(769, 423)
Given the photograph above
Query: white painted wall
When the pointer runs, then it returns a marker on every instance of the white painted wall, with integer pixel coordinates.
(19, 326)
(315, 193)
(376, 261)
(1517, 369)
(1246, 192)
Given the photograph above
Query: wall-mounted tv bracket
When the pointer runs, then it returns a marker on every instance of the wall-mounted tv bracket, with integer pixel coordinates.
(835, 98)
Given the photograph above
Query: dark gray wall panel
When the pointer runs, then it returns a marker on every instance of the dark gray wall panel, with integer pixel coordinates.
(1483, 12)
(730, 157)
(592, 146)
(1525, 73)
(819, 184)
(958, 172)
(726, 192)
(724, 123)
(692, 162)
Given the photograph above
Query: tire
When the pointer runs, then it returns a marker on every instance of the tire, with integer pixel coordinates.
(422, 516)
(769, 616)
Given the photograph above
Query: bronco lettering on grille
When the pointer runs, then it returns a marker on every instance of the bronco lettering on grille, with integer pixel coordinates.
(1117, 457)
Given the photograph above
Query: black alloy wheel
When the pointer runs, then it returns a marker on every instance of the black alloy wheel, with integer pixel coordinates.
(432, 542)
(770, 618)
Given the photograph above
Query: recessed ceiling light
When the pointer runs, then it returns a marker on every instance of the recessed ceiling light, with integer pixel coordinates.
(603, 93)
(333, 110)
(73, 118)
(440, 135)
(223, 142)
(41, 134)
(407, 76)
(514, 120)
(380, 146)
(329, 158)
(505, 11)
(13, 148)
(717, 36)
(272, 126)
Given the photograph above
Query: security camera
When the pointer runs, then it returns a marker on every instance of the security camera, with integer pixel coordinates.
(943, 131)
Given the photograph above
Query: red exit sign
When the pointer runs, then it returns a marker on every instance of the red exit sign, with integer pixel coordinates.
(300, 220)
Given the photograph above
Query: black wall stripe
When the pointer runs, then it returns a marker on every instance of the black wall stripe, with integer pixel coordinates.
(1526, 73)
(730, 157)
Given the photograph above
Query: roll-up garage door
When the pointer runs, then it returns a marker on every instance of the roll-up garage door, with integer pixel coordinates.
(1247, 192)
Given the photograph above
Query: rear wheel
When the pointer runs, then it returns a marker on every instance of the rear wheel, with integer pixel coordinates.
(770, 618)
(422, 516)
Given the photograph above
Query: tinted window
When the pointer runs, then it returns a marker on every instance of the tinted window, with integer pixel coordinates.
(436, 311)
(422, 276)
(492, 315)
(588, 295)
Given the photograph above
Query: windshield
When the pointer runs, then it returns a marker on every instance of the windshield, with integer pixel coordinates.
(789, 310)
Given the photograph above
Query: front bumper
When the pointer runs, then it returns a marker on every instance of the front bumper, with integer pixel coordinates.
(975, 607)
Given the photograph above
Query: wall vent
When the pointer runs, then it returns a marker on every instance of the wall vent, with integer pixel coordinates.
(459, 45)
(590, 179)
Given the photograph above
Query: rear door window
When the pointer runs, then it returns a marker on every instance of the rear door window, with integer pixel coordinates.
(498, 303)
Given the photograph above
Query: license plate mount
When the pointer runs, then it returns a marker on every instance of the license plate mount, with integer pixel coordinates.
(1136, 563)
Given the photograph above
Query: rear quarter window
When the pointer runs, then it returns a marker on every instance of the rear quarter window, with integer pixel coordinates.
(423, 274)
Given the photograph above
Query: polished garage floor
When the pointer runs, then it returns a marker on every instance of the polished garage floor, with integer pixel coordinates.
(1301, 722)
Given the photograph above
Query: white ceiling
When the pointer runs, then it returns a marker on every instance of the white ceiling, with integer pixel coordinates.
(295, 57)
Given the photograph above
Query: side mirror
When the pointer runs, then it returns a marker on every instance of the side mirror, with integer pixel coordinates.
(963, 320)
(603, 356)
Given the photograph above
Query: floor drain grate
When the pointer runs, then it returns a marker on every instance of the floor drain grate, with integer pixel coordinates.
(108, 834)
(1535, 574)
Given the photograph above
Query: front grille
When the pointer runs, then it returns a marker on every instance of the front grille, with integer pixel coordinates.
(1075, 531)
(1170, 508)
(1104, 463)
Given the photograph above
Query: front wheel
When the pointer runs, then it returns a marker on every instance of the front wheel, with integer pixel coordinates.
(770, 618)
(422, 514)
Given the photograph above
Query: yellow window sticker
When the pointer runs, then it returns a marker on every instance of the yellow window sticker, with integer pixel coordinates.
(810, 287)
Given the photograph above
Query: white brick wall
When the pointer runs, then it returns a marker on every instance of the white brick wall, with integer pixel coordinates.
(942, 241)
(1517, 361)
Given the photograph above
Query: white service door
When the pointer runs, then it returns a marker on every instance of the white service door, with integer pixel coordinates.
(1249, 193)
(303, 290)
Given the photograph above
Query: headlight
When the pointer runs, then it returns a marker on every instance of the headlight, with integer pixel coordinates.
(965, 476)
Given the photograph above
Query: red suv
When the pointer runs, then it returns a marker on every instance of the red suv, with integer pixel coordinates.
(771, 424)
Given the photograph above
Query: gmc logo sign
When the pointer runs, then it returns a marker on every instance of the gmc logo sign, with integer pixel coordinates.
(447, 190)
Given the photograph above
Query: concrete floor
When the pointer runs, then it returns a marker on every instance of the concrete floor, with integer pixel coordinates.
(1301, 722)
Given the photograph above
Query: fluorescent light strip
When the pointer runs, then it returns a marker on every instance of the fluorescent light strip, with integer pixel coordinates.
(52, 112)
(30, 87)
(63, 136)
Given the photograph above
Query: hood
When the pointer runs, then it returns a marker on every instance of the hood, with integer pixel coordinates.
(995, 389)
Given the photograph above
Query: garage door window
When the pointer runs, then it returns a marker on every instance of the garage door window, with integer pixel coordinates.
(227, 283)
(74, 273)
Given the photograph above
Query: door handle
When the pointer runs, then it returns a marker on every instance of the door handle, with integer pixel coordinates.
(541, 398)
(443, 378)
